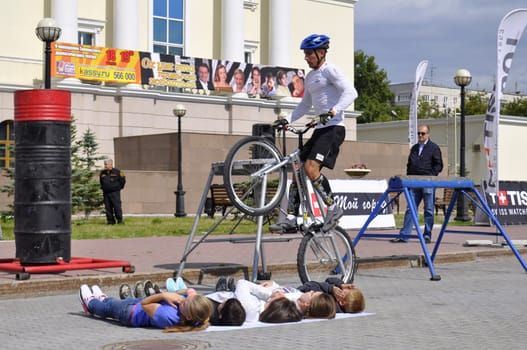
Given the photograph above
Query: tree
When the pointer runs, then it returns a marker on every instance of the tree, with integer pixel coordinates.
(476, 103)
(86, 195)
(427, 109)
(517, 107)
(9, 189)
(372, 84)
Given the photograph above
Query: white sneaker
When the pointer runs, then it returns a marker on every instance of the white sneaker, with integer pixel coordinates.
(86, 295)
(139, 289)
(180, 284)
(97, 293)
(171, 285)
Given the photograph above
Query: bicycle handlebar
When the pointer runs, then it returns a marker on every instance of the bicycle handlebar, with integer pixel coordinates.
(306, 128)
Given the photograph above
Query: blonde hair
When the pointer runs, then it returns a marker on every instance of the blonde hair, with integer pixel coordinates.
(354, 301)
(199, 309)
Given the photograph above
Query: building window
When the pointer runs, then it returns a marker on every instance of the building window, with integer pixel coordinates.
(168, 27)
(403, 98)
(7, 144)
(86, 39)
(249, 51)
(89, 31)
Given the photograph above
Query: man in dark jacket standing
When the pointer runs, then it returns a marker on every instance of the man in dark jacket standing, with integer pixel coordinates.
(112, 182)
(424, 159)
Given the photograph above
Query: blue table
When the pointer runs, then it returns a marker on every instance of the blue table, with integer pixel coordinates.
(461, 186)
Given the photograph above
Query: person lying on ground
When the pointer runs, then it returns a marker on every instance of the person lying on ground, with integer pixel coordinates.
(229, 312)
(280, 310)
(254, 298)
(168, 311)
(349, 299)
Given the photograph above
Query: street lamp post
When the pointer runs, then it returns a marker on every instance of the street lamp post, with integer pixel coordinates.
(462, 79)
(48, 31)
(179, 112)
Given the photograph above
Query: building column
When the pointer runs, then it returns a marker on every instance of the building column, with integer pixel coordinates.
(279, 33)
(126, 24)
(65, 13)
(126, 28)
(232, 42)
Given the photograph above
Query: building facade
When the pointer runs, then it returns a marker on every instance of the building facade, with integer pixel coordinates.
(446, 99)
(251, 31)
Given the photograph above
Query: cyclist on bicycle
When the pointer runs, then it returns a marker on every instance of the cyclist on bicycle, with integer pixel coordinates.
(329, 92)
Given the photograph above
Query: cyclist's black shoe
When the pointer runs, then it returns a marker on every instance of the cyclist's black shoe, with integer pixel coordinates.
(332, 219)
(287, 226)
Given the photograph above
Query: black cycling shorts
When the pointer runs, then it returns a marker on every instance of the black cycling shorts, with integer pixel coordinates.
(324, 145)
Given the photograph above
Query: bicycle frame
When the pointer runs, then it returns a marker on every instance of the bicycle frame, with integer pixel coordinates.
(304, 187)
(250, 167)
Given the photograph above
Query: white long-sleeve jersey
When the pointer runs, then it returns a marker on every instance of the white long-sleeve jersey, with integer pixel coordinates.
(326, 88)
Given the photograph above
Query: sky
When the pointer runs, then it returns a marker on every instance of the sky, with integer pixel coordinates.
(450, 34)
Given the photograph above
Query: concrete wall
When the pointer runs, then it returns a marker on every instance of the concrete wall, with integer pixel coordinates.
(150, 166)
(111, 113)
(152, 192)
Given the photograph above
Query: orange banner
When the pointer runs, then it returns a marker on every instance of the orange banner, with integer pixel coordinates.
(95, 63)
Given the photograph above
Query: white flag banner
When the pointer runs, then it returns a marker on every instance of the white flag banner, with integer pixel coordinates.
(412, 120)
(510, 31)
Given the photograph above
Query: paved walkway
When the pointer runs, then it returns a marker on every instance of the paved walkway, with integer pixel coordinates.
(157, 258)
(477, 305)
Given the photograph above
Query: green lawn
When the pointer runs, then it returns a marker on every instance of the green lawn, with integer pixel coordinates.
(96, 228)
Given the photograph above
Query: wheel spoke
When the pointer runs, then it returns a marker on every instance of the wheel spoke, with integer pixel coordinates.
(250, 162)
(320, 255)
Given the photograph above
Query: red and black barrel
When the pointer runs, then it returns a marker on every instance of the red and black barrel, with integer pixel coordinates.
(42, 176)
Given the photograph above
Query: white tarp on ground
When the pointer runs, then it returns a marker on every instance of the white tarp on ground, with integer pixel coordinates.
(247, 325)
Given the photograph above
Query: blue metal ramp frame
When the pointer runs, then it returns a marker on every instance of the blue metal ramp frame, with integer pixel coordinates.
(463, 186)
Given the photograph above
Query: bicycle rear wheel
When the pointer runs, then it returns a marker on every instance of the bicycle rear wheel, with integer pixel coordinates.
(247, 168)
(322, 255)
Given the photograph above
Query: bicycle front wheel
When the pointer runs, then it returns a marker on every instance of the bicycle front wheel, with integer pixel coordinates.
(253, 183)
(322, 255)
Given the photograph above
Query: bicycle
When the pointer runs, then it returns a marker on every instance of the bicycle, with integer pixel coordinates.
(251, 166)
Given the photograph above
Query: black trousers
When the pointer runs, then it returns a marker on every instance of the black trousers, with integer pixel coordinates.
(112, 206)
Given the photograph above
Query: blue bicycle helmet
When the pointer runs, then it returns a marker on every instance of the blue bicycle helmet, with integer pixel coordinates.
(315, 41)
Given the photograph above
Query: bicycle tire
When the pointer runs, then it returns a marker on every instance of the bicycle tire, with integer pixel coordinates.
(316, 260)
(246, 157)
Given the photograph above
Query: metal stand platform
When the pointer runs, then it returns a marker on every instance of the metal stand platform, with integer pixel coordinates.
(76, 263)
(398, 184)
(193, 242)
